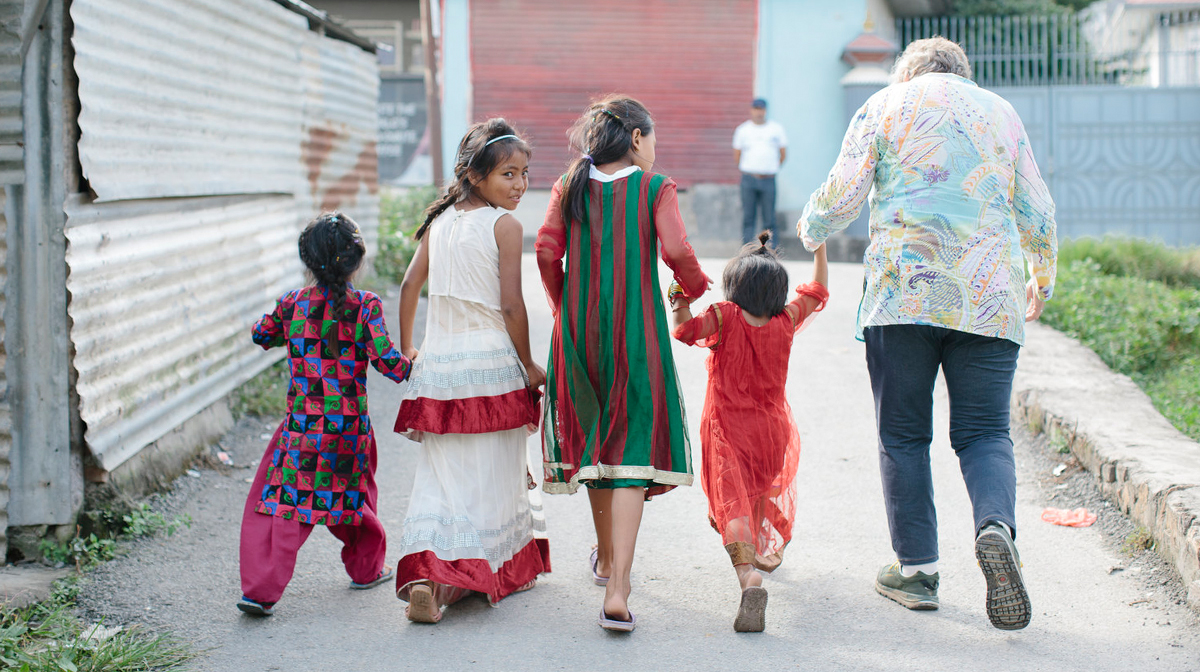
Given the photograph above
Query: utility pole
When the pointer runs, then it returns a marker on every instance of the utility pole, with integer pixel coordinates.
(433, 98)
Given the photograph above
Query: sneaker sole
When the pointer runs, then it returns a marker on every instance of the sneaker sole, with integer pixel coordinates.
(255, 609)
(907, 599)
(1007, 601)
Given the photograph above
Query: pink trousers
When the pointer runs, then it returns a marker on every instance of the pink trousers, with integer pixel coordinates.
(270, 543)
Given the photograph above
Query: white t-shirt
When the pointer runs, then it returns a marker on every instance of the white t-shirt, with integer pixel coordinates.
(760, 145)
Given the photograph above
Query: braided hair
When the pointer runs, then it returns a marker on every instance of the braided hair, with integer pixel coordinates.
(603, 134)
(332, 249)
(480, 151)
(755, 279)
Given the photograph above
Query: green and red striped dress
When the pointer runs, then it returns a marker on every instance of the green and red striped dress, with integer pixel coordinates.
(614, 414)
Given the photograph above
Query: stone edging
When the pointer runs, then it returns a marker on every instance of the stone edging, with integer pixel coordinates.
(1146, 467)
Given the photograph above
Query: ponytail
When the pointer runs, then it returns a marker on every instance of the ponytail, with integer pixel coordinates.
(603, 134)
(485, 145)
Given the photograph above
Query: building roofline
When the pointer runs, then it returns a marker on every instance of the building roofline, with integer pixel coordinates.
(320, 21)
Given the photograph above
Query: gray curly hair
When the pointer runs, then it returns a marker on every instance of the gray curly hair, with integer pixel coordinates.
(935, 54)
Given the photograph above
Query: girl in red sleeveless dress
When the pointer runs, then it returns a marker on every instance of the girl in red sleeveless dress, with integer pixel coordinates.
(749, 443)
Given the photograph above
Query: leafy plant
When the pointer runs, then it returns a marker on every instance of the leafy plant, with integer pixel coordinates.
(83, 552)
(400, 215)
(145, 522)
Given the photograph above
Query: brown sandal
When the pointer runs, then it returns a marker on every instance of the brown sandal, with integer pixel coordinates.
(422, 608)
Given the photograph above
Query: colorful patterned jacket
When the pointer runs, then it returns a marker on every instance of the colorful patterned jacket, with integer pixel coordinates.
(955, 198)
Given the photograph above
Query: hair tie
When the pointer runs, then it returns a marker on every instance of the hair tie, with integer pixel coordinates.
(589, 159)
(610, 113)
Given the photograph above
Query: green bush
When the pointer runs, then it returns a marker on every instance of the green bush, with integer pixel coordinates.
(1137, 305)
(400, 215)
(1136, 258)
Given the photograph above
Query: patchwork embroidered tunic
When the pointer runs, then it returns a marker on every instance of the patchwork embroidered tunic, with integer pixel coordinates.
(614, 415)
(956, 199)
(320, 465)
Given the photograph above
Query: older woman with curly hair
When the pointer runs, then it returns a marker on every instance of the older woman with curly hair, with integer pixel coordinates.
(957, 208)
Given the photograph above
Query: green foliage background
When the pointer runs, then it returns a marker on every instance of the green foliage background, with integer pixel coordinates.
(1137, 305)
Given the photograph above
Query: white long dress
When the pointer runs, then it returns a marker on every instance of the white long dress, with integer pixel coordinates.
(472, 521)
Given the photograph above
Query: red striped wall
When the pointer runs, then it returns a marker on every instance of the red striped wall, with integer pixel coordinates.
(538, 63)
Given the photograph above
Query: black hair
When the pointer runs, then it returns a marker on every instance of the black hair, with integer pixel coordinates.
(332, 248)
(755, 279)
(603, 134)
(477, 154)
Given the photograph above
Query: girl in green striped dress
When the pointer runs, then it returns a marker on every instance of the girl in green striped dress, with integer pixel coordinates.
(613, 418)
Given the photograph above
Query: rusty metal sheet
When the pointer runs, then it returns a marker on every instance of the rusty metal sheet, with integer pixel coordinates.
(341, 125)
(188, 97)
(163, 295)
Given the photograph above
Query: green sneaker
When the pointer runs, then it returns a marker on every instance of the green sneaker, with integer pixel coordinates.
(918, 591)
(1007, 602)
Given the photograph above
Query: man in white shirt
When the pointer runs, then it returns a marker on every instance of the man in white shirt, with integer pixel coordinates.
(759, 147)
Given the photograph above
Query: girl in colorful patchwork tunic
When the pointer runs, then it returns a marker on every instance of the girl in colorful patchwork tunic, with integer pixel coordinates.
(319, 468)
(614, 418)
(749, 443)
(472, 521)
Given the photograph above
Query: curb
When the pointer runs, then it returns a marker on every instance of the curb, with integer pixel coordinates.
(1146, 467)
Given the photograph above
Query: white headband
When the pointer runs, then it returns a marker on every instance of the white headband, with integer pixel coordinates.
(498, 137)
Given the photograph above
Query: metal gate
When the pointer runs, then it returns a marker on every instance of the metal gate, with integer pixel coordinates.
(1123, 161)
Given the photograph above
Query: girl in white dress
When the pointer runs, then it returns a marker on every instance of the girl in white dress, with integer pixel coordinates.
(472, 399)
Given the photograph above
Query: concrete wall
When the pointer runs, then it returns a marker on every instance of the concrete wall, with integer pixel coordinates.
(456, 80)
(799, 67)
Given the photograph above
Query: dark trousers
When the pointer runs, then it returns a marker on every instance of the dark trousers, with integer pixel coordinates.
(903, 361)
(758, 196)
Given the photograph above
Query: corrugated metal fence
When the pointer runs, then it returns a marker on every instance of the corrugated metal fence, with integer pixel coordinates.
(184, 105)
(1139, 48)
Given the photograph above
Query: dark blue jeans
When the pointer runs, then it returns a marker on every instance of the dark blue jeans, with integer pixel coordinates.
(903, 361)
(758, 196)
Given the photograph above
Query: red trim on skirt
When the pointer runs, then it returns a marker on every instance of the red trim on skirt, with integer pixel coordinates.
(474, 574)
(473, 415)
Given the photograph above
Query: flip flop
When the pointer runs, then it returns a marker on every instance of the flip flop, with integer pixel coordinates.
(422, 608)
(385, 575)
(596, 578)
(526, 586)
(253, 608)
(752, 612)
(616, 625)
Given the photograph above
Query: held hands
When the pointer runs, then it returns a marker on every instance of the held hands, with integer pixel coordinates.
(1033, 301)
(409, 352)
(676, 297)
(537, 375)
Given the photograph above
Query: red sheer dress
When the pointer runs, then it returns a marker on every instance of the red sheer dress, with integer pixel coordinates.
(749, 443)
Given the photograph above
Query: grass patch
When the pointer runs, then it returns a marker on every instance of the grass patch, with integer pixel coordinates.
(48, 636)
(1137, 305)
(400, 215)
(264, 395)
(1136, 258)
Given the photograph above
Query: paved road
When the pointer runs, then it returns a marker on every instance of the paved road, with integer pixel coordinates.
(823, 613)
